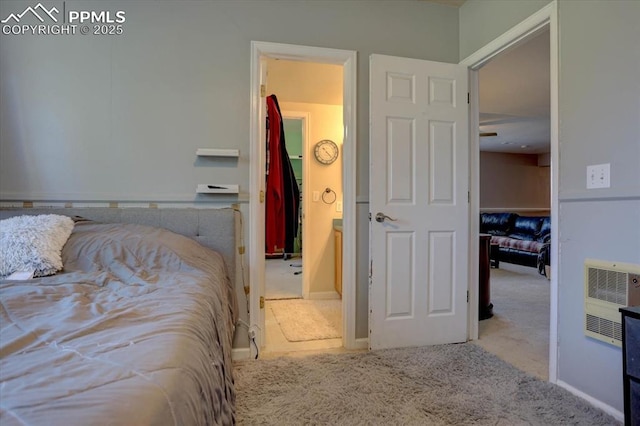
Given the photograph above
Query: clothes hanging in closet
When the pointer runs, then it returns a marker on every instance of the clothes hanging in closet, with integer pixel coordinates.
(282, 192)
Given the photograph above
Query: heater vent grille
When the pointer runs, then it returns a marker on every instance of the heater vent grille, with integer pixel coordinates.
(608, 286)
(604, 327)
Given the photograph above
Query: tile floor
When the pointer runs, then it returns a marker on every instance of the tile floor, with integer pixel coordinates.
(277, 344)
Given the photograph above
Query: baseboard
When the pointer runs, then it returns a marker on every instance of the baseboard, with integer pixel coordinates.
(324, 295)
(238, 354)
(591, 400)
(362, 343)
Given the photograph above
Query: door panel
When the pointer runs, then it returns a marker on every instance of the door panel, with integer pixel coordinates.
(419, 180)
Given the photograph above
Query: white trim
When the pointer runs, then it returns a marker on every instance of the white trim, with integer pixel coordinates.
(555, 190)
(474, 204)
(619, 415)
(534, 24)
(238, 354)
(324, 295)
(519, 33)
(348, 60)
(515, 209)
(93, 197)
(119, 204)
(361, 343)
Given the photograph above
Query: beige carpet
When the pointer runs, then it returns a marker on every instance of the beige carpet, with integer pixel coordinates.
(519, 329)
(303, 320)
(438, 385)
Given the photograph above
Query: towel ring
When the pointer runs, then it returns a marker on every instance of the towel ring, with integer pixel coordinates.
(327, 199)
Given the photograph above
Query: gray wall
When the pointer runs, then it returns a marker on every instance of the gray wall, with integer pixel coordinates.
(599, 116)
(481, 21)
(599, 60)
(118, 118)
(129, 111)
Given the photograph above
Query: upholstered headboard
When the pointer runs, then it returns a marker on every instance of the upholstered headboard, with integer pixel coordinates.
(213, 228)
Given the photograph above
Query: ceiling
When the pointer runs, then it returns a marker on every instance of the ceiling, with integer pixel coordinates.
(515, 99)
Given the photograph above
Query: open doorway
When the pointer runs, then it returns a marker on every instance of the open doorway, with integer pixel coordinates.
(313, 262)
(515, 202)
(303, 305)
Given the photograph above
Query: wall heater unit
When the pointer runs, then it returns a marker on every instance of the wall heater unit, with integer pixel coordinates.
(608, 286)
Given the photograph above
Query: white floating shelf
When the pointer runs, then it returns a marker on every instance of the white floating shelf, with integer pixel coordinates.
(215, 152)
(216, 188)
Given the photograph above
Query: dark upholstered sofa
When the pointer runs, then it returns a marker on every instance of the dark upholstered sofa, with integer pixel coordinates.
(523, 240)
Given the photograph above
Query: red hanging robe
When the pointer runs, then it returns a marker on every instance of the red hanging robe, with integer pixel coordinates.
(274, 200)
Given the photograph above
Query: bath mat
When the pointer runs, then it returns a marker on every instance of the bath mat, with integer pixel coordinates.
(303, 320)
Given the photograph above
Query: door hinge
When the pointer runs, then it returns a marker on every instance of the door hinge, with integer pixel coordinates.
(241, 250)
(369, 216)
(468, 98)
(262, 196)
(468, 197)
(370, 269)
(467, 296)
(263, 91)
(261, 302)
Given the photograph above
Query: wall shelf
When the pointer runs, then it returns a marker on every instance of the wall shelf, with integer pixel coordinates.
(215, 152)
(217, 188)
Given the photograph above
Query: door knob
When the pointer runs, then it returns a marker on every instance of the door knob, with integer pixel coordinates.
(380, 217)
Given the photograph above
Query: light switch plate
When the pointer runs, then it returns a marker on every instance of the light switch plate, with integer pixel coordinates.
(598, 176)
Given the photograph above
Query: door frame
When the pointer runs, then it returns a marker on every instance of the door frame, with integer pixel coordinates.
(547, 17)
(304, 117)
(348, 60)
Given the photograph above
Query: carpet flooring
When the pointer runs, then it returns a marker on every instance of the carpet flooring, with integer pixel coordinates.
(518, 332)
(438, 385)
(304, 320)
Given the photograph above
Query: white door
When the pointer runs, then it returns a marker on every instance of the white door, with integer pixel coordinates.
(419, 180)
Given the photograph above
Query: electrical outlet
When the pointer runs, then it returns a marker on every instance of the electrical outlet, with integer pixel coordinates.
(316, 196)
(598, 176)
(252, 332)
(339, 206)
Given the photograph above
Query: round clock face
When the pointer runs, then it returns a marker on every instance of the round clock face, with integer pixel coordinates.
(326, 151)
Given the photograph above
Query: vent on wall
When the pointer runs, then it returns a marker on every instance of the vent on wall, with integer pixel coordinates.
(608, 286)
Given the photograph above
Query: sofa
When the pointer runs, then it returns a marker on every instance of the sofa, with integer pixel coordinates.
(523, 240)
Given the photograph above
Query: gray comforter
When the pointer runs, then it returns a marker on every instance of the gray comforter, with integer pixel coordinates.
(136, 330)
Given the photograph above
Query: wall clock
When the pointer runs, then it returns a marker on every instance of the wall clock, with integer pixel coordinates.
(326, 151)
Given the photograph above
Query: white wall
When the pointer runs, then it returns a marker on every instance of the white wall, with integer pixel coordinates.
(599, 60)
(325, 122)
(308, 82)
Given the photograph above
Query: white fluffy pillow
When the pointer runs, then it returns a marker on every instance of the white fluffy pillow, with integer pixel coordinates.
(30, 243)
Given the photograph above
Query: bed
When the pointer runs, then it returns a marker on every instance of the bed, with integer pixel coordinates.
(137, 328)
